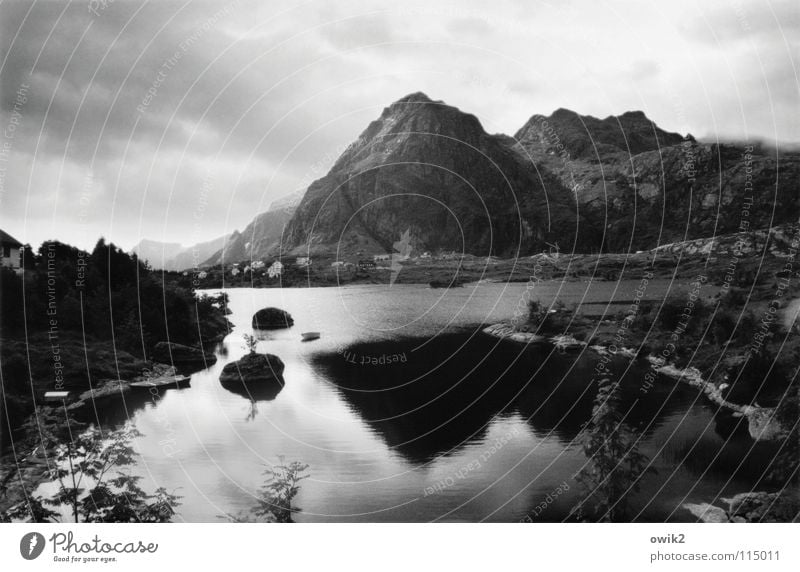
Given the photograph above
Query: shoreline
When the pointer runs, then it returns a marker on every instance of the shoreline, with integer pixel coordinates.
(762, 423)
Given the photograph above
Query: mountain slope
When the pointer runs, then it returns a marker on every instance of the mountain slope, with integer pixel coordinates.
(587, 138)
(431, 169)
(174, 256)
(261, 238)
(647, 187)
(614, 185)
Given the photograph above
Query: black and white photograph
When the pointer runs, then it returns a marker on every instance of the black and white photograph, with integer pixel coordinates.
(422, 263)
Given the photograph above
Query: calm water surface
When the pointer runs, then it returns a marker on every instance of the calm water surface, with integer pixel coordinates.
(405, 412)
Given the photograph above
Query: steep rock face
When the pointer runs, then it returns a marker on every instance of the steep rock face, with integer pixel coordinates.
(261, 238)
(646, 187)
(693, 191)
(614, 185)
(431, 169)
(194, 256)
(590, 139)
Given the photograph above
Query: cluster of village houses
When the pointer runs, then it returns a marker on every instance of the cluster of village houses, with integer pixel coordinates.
(276, 269)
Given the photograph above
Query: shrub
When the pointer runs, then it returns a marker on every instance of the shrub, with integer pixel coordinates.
(615, 466)
(276, 496)
(92, 459)
(547, 320)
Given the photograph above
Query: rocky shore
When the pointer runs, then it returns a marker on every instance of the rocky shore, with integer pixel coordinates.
(763, 424)
(754, 506)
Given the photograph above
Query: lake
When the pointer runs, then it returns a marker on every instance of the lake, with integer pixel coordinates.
(404, 411)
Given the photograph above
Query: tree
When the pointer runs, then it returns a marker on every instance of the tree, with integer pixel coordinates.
(276, 496)
(615, 466)
(86, 466)
(250, 343)
(546, 320)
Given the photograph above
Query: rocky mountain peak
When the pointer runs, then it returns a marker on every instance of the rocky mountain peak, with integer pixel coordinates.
(632, 115)
(411, 127)
(589, 138)
(416, 97)
(430, 169)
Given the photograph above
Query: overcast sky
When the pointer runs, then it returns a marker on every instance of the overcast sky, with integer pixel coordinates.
(180, 121)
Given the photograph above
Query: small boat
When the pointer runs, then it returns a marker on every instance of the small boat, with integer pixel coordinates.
(162, 382)
(308, 336)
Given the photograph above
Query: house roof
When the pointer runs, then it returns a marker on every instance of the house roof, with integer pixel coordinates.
(8, 240)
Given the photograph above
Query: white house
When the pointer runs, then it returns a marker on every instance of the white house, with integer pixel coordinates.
(276, 269)
(303, 262)
(381, 258)
(9, 252)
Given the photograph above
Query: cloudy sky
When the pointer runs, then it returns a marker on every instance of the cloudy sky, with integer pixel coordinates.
(179, 121)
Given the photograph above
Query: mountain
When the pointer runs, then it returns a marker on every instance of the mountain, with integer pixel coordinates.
(586, 138)
(157, 254)
(427, 173)
(261, 238)
(430, 169)
(174, 256)
(643, 186)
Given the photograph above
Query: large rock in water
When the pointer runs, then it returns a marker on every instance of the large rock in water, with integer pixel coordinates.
(253, 368)
(272, 319)
(181, 356)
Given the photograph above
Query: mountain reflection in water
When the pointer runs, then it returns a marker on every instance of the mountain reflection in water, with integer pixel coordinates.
(385, 416)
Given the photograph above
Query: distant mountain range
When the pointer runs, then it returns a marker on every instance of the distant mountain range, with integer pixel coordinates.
(174, 256)
(262, 237)
(258, 240)
(614, 184)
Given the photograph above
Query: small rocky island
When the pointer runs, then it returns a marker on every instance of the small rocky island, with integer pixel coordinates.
(253, 368)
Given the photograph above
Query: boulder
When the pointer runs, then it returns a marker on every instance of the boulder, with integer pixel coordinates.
(272, 319)
(253, 368)
(764, 424)
(707, 512)
(760, 506)
(182, 356)
(754, 506)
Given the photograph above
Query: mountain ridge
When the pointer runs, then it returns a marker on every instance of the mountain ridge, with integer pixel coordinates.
(431, 169)
(614, 184)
